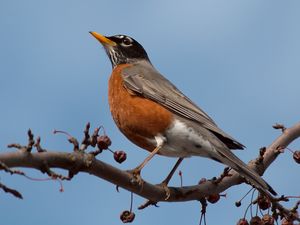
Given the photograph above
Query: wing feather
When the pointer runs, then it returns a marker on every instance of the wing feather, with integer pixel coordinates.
(143, 79)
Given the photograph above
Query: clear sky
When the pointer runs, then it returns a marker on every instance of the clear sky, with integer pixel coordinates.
(239, 60)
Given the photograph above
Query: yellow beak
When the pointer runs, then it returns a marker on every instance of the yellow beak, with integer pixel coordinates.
(103, 40)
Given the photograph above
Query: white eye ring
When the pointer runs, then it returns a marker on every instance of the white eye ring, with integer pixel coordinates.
(126, 41)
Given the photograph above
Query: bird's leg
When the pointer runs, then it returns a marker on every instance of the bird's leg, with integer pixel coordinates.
(164, 185)
(170, 175)
(166, 181)
(136, 172)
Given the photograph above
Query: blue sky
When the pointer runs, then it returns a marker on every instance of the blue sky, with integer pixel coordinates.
(239, 60)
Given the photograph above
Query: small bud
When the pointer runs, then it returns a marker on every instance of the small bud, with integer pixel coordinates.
(213, 198)
(263, 202)
(256, 220)
(103, 142)
(127, 216)
(120, 156)
(296, 156)
(267, 220)
(203, 180)
(242, 222)
(278, 126)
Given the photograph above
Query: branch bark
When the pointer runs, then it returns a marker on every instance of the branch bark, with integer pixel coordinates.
(80, 161)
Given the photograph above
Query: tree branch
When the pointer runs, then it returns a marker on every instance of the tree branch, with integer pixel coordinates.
(80, 161)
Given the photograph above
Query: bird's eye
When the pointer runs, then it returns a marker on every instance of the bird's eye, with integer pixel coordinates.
(127, 41)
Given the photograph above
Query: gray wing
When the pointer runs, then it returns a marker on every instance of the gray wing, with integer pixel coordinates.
(143, 79)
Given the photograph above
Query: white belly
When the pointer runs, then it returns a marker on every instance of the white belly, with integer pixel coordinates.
(183, 141)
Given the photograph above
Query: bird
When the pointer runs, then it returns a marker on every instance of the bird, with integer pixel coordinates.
(156, 116)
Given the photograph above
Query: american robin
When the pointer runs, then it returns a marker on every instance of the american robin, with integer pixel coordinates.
(152, 113)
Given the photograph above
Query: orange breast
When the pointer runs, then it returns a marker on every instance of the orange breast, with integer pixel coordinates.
(138, 118)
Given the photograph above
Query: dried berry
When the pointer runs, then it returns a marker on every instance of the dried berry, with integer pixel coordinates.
(267, 220)
(127, 216)
(263, 202)
(284, 221)
(120, 156)
(242, 222)
(256, 220)
(238, 203)
(103, 142)
(213, 198)
(296, 156)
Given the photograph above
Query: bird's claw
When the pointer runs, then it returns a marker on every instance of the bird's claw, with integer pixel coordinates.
(166, 189)
(136, 177)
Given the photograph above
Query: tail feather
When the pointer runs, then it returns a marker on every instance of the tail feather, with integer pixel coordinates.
(228, 158)
(254, 178)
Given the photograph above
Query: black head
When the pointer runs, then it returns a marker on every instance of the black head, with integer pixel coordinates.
(121, 49)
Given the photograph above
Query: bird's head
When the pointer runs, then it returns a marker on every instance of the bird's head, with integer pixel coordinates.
(121, 49)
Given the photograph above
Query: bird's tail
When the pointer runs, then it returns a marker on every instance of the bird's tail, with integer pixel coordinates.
(228, 158)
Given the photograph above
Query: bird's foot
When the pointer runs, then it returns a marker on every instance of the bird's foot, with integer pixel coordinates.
(164, 185)
(136, 176)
